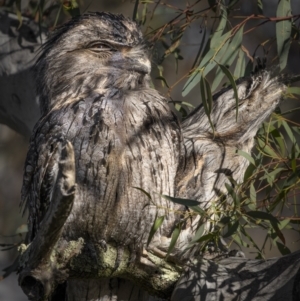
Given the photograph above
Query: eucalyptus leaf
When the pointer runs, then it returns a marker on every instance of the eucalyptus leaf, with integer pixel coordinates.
(262, 215)
(233, 47)
(199, 53)
(283, 32)
(163, 80)
(240, 67)
(206, 64)
(252, 192)
(292, 179)
(289, 131)
(246, 156)
(174, 238)
(156, 225)
(277, 230)
(135, 10)
(199, 233)
(270, 176)
(214, 44)
(204, 238)
(206, 97)
(232, 229)
(284, 250)
(198, 210)
(233, 84)
(240, 241)
(284, 223)
(279, 140)
(266, 148)
(233, 194)
(293, 90)
(185, 202)
(260, 6)
(249, 172)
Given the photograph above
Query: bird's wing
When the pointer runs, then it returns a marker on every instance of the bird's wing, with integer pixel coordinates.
(75, 122)
(39, 174)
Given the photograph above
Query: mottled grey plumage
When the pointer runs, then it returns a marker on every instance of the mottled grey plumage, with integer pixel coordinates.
(93, 87)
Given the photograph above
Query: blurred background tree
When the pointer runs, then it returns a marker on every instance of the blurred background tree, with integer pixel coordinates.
(198, 47)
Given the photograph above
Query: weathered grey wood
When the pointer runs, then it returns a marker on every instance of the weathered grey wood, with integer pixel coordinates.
(215, 152)
(241, 279)
(210, 156)
(107, 290)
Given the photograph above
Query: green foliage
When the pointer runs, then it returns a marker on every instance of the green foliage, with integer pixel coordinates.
(271, 182)
(273, 175)
(283, 31)
(41, 10)
(156, 225)
(185, 202)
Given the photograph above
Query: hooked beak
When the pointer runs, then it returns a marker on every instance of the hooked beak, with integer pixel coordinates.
(141, 65)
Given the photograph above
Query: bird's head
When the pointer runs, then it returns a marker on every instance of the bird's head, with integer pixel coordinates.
(92, 52)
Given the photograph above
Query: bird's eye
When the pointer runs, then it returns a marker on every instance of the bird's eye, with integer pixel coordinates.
(98, 47)
(101, 46)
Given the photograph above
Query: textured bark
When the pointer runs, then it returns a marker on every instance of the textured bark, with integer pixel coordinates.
(215, 152)
(241, 279)
(107, 290)
(206, 159)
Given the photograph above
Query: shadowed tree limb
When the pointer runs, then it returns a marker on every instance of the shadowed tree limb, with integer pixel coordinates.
(236, 278)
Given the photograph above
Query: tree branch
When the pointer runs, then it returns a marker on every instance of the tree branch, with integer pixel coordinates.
(241, 279)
